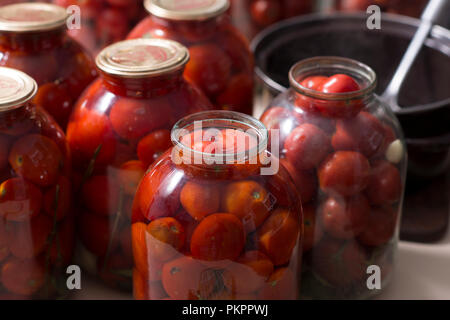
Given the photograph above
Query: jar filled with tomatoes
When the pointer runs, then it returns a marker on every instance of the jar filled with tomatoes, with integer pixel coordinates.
(345, 152)
(36, 223)
(221, 62)
(217, 217)
(120, 125)
(252, 16)
(40, 47)
(103, 22)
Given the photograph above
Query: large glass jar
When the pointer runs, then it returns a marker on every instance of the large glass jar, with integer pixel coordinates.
(104, 22)
(346, 154)
(221, 62)
(252, 16)
(37, 232)
(217, 217)
(40, 47)
(120, 125)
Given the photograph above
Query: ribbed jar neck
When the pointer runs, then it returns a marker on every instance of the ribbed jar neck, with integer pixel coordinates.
(327, 66)
(221, 120)
(32, 41)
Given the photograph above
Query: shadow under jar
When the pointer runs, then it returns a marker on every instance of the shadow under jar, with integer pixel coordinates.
(120, 125)
(215, 218)
(221, 61)
(39, 46)
(345, 152)
(37, 230)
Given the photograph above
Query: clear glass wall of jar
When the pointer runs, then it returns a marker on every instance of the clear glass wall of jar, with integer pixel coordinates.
(346, 154)
(37, 229)
(221, 61)
(41, 48)
(208, 223)
(120, 125)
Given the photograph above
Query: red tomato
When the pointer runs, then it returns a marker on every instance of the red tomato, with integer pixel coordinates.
(187, 279)
(22, 277)
(307, 146)
(130, 174)
(200, 199)
(250, 272)
(280, 286)
(55, 98)
(279, 235)
(16, 122)
(29, 239)
(104, 202)
(37, 159)
(265, 12)
(57, 199)
(95, 233)
(248, 201)
(381, 227)
(313, 231)
(304, 180)
(91, 136)
(158, 196)
(339, 83)
(19, 200)
(344, 172)
(166, 239)
(153, 145)
(209, 68)
(218, 236)
(238, 96)
(189, 225)
(313, 82)
(385, 183)
(133, 118)
(345, 218)
(363, 133)
(340, 264)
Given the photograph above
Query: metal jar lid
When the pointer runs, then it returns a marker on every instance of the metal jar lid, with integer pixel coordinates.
(187, 9)
(140, 58)
(29, 17)
(16, 88)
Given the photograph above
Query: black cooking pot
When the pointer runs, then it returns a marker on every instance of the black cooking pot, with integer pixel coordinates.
(424, 96)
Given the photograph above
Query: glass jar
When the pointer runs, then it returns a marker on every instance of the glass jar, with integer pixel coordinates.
(104, 22)
(120, 125)
(221, 62)
(37, 232)
(217, 217)
(252, 16)
(345, 151)
(40, 47)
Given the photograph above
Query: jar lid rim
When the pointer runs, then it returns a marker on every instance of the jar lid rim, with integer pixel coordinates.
(32, 17)
(332, 62)
(186, 9)
(140, 58)
(16, 88)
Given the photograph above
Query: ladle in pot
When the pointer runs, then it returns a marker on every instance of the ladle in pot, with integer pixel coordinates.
(429, 16)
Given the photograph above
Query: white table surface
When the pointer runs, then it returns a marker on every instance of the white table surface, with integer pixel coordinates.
(422, 272)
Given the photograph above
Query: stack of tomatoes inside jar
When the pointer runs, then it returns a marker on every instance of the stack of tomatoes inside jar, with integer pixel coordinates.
(343, 149)
(36, 222)
(103, 22)
(252, 16)
(221, 63)
(40, 47)
(208, 229)
(120, 125)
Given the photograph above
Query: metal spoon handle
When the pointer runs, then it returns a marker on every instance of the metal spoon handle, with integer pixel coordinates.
(428, 18)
